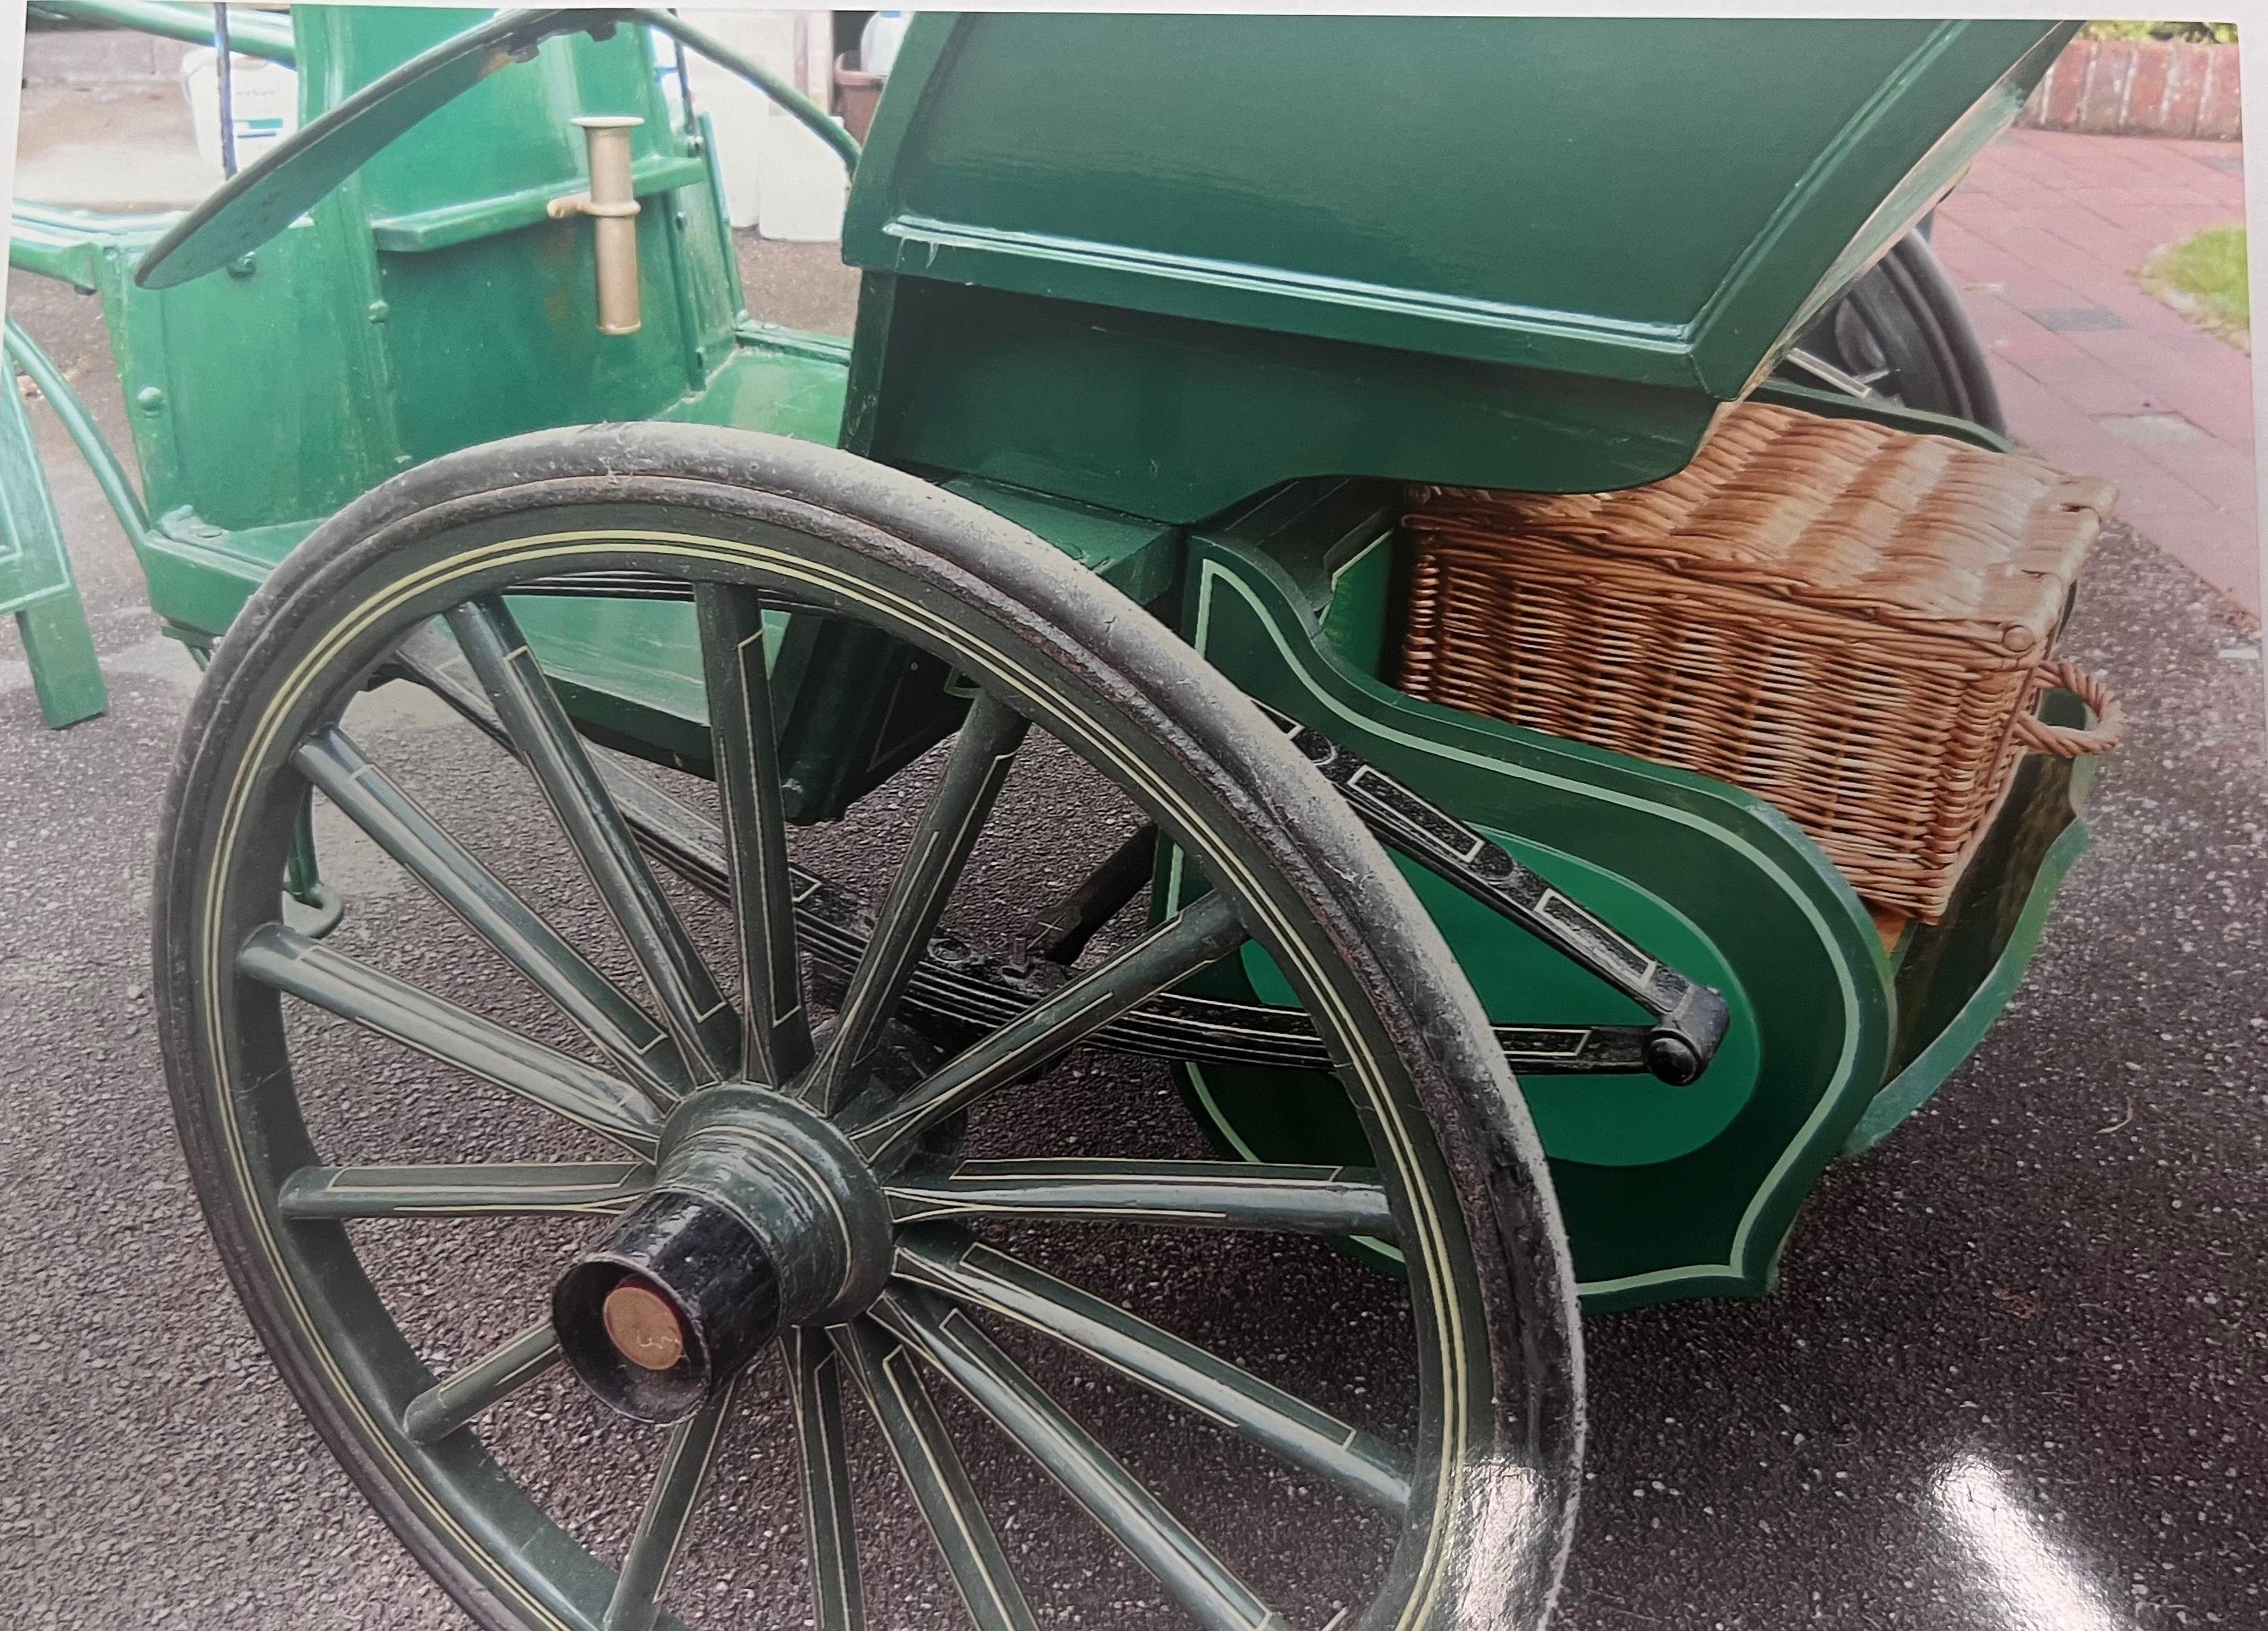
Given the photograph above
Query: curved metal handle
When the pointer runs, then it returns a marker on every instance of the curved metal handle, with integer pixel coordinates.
(806, 112)
(297, 174)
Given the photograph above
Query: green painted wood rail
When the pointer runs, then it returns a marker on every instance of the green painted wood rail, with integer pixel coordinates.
(36, 584)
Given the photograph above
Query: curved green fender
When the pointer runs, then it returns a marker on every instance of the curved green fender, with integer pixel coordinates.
(1667, 1192)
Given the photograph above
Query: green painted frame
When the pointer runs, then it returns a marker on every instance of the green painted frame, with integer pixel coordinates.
(1711, 1221)
(1954, 977)
(36, 583)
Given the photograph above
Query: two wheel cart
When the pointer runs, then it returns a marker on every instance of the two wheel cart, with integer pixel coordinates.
(1111, 524)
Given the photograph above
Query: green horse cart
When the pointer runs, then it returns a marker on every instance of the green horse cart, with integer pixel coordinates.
(1164, 326)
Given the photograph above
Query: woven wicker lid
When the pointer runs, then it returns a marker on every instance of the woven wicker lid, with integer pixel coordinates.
(1921, 531)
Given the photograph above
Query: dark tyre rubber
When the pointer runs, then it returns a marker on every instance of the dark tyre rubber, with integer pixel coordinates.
(1902, 331)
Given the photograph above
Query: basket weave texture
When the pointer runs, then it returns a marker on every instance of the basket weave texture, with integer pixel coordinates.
(1845, 620)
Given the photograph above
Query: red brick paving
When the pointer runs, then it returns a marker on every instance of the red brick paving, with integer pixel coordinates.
(2056, 224)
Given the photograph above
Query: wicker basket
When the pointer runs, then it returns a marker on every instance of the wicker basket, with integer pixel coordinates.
(1850, 621)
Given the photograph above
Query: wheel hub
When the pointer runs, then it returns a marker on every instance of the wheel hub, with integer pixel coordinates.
(762, 1217)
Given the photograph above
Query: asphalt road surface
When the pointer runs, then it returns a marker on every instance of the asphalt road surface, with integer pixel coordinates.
(2013, 1376)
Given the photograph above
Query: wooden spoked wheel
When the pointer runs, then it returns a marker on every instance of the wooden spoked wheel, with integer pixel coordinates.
(764, 1214)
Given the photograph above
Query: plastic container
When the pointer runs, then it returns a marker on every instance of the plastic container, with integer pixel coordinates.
(794, 45)
(857, 93)
(263, 96)
(805, 185)
(879, 42)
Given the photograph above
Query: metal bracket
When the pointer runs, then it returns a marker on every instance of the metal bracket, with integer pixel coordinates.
(1689, 1019)
(612, 203)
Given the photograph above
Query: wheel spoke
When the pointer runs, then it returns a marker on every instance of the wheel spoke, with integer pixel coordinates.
(669, 1510)
(447, 1406)
(775, 1031)
(1200, 935)
(695, 1013)
(949, 829)
(486, 1190)
(932, 1467)
(968, 1271)
(815, 1380)
(670, 832)
(1060, 933)
(292, 963)
(1199, 1194)
(1201, 1582)
(370, 798)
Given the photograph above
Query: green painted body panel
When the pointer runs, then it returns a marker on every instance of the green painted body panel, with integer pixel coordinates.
(1179, 419)
(487, 302)
(1648, 199)
(1605, 1120)
(1419, 247)
(427, 304)
(1955, 976)
(201, 573)
(1140, 558)
(1668, 1191)
(777, 380)
(511, 120)
(35, 577)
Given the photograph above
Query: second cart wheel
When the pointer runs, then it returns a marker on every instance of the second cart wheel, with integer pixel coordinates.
(1902, 334)
(549, 1093)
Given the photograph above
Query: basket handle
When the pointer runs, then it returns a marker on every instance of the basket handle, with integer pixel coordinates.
(2070, 741)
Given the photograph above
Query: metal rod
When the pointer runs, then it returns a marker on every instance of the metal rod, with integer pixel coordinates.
(801, 107)
(266, 37)
(684, 87)
(79, 425)
(225, 80)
